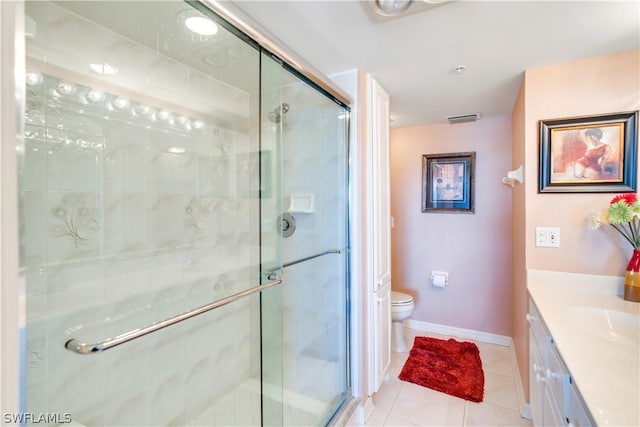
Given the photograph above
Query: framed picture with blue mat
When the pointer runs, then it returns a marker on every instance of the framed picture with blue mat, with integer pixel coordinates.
(448, 182)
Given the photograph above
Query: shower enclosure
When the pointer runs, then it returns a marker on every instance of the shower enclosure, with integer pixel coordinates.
(183, 223)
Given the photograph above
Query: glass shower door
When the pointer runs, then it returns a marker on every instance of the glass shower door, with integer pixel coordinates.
(315, 253)
(144, 186)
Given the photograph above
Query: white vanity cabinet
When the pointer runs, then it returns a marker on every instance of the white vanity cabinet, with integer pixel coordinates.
(555, 400)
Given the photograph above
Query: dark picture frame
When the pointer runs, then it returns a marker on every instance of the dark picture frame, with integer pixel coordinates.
(448, 182)
(592, 154)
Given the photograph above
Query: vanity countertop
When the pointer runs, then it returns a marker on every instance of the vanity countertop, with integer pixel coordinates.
(598, 336)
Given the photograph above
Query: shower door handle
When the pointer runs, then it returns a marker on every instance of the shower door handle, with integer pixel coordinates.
(90, 348)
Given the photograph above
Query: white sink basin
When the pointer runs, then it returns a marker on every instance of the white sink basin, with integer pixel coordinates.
(610, 325)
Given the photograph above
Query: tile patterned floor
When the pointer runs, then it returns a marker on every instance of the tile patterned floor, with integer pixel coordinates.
(400, 403)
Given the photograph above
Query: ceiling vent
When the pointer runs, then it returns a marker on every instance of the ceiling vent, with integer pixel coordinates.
(463, 119)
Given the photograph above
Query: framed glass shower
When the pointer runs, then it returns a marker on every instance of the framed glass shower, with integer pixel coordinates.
(158, 164)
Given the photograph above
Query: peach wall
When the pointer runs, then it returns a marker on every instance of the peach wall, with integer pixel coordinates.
(474, 248)
(588, 87)
(520, 327)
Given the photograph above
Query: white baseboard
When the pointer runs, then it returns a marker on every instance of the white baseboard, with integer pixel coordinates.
(525, 412)
(458, 332)
(367, 409)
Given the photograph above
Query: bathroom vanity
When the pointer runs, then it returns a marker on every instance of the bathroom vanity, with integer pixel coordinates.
(584, 351)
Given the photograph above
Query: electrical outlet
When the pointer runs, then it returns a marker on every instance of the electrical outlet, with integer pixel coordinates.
(548, 237)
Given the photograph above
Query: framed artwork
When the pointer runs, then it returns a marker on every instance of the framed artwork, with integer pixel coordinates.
(447, 182)
(596, 154)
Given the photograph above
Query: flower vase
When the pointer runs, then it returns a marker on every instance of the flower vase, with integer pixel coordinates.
(632, 278)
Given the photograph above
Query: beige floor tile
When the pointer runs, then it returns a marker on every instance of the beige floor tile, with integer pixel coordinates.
(495, 359)
(500, 390)
(395, 422)
(384, 399)
(377, 419)
(487, 414)
(397, 363)
(426, 407)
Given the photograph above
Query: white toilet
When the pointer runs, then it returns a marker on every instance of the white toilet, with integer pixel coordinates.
(401, 308)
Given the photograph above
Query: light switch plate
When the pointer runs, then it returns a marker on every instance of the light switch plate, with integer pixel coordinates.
(548, 237)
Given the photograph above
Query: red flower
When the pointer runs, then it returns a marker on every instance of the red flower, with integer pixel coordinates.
(628, 198)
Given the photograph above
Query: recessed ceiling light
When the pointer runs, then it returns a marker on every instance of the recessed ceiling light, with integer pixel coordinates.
(103, 68)
(177, 150)
(201, 25)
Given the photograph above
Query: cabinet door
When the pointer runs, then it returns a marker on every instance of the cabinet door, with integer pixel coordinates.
(578, 414)
(382, 335)
(552, 415)
(379, 185)
(536, 381)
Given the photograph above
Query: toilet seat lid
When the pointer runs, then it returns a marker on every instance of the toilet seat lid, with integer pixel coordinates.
(398, 298)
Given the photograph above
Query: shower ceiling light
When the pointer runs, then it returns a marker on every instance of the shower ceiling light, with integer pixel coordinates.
(121, 103)
(33, 77)
(142, 110)
(201, 25)
(66, 88)
(177, 150)
(164, 115)
(95, 95)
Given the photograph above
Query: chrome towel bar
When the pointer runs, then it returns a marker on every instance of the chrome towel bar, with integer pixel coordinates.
(86, 348)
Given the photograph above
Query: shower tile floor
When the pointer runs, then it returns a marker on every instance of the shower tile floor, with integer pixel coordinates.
(242, 406)
(400, 403)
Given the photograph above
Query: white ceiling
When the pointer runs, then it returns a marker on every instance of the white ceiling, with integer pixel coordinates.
(413, 57)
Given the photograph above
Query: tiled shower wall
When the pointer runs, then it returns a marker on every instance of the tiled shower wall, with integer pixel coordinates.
(119, 232)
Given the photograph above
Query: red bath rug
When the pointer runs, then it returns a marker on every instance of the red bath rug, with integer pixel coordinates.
(448, 366)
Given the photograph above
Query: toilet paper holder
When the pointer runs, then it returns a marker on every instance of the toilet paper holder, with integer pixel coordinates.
(439, 279)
